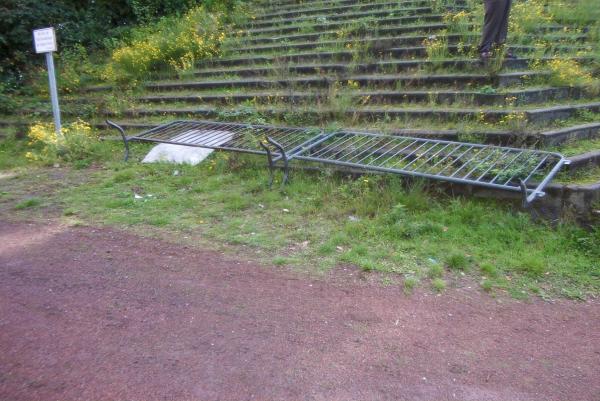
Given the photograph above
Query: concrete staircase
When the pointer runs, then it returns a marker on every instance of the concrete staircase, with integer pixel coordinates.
(366, 64)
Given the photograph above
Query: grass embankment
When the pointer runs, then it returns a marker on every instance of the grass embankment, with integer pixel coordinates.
(318, 221)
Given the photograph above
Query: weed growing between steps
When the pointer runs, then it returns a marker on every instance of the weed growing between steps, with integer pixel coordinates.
(322, 220)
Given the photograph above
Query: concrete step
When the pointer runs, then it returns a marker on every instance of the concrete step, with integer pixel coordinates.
(372, 81)
(383, 66)
(283, 4)
(339, 9)
(270, 9)
(374, 52)
(262, 11)
(334, 25)
(307, 22)
(570, 134)
(371, 97)
(389, 25)
(379, 41)
(536, 115)
(584, 161)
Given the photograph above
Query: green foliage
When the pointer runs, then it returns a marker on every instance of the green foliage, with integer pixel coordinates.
(487, 285)
(146, 11)
(8, 103)
(435, 270)
(488, 270)
(75, 68)
(77, 22)
(93, 24)
(438, 284)
(580, 12)
(409, 284)
(77, 142)
(174, 43)
(457, 261)
(28, 203)
(226, 200)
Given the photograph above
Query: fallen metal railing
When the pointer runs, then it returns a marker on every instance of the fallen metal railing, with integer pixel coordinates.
(527, 171)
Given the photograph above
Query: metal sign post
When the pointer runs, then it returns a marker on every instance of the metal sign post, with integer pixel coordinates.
(45, 42)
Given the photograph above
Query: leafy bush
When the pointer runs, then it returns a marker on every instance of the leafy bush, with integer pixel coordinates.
(93, 24)
(7, 103)
(77, 142)
(75, 68)
(172, 43)
(148, 10)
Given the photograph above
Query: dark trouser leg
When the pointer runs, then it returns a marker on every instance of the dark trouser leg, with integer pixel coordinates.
(495, 12)
(503, 32)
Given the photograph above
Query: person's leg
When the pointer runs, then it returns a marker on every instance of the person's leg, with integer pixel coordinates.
(492, 22)
(503, 31)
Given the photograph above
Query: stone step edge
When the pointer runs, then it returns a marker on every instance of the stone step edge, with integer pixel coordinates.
(432, 22)
(325, 54)
(521, 97)
(504, 77)
(382, 42)
(344, 15)
(547, 138)
(404, 23)
(372, 67)
(335, 9)
(538, 115)
(349, 16)
(322, 27)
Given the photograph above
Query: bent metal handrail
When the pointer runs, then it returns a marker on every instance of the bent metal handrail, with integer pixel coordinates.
(527, 171)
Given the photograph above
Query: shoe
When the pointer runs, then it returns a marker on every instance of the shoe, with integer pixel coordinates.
(510, 55)
(485, 57)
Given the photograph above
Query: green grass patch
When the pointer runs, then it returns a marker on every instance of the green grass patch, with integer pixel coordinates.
(374, 223)
(438, 284)
(410, 283)
(28, 203)
(323, 220)
(457, 261)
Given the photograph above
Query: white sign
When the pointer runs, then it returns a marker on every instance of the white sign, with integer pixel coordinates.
(44, 40)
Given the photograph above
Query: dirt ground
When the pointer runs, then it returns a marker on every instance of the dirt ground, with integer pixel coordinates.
(99, 314)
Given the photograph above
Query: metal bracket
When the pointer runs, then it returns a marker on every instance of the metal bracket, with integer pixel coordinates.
(524, 196)
(284, 157)
(270, 160)
(528, 199)
(122, 132)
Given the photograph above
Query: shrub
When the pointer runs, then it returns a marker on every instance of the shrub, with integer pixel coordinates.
(76, 143)
(75, 68)
(8, 104)
(173, 43)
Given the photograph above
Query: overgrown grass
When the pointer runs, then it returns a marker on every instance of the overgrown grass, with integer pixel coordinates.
(322, 220)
